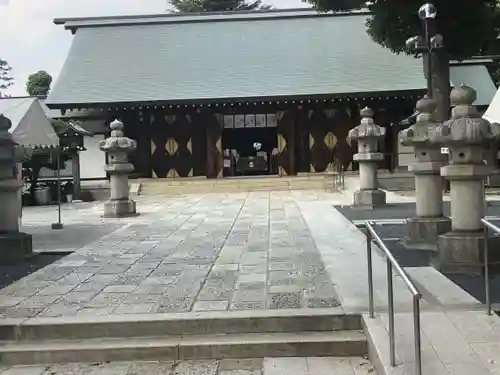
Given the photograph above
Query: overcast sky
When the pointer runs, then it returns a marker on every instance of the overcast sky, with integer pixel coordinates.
(29, 40)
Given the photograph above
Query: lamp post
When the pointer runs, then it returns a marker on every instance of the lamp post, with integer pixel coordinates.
(430, 42)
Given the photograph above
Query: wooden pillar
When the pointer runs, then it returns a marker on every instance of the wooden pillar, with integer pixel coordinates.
(75, 167)
(302, 152)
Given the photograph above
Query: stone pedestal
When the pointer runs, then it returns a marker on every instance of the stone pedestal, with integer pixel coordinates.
(469, 138)
(463, 253)
(429, 221)
(373, 198)
(367, 134)
(118, 147)
(14, 245)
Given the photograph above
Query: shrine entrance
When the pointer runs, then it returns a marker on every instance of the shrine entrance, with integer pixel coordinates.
(250, 144)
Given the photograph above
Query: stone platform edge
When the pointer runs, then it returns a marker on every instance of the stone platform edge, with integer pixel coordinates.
(157, 317)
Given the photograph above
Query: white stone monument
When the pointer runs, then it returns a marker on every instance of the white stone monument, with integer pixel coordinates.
(117, 146)
(14, 245)
(429, 221)
(469, 138)
(368, 134)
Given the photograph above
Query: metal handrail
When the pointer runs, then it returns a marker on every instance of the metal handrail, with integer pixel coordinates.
(487, 227)
(339, 177)
(371, 235)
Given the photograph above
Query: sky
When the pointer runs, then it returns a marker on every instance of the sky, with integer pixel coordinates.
(29, 41)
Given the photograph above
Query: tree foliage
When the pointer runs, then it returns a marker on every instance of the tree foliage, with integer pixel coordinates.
(6, 79)
(469, 27)
(200, 6)
(39, 83)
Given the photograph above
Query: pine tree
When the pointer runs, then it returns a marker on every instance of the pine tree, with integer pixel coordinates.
(200, 6)
(6, 79)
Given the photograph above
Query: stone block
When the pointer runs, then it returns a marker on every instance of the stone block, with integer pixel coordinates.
(427, 229)
(15, 247)
(119, 208)
(463, 253)
(371, 198)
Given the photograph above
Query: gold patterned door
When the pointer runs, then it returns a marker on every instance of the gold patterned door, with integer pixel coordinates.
(215, 162)
(286, 139)
(322, 141)
(327, 139)
(171, 146)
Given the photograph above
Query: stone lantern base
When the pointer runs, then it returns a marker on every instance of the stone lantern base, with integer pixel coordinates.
(119, 208)
(427, 229)
(463, 252)
(371, 198)
(15, 247)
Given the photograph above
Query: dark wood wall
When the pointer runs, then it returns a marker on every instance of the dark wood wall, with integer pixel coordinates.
(312, 138)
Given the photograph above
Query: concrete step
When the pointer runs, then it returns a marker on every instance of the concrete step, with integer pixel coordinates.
(248, 345)
(229, 189)
(151, 325)
(193, 186)
(230, 366)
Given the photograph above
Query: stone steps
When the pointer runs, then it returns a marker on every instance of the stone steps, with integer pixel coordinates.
(230, 366)
(235, 334)
(197, 186)
(192, 323)
(241, 345)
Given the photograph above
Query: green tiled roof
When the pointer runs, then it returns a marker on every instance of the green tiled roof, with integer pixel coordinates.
(249, 55)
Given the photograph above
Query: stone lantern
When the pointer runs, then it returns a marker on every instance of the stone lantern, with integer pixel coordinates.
(117, 147)
(14, 245)
(429, 221)
(368, 134)
(468, 137)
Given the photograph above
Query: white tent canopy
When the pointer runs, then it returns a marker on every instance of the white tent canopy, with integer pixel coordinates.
(31, 127)
(492, 114)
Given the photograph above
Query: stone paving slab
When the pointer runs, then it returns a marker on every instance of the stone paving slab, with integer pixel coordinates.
(251, 366)
(453, 342)
(209, 252)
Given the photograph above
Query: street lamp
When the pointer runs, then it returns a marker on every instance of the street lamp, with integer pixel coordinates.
(428, 43)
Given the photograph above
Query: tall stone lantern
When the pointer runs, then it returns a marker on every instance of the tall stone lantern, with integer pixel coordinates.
(468, 137)
(368, 134)
(14, 245)
(429, 221)
(117, 147)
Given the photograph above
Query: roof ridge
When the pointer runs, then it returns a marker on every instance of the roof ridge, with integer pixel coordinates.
(163, 18)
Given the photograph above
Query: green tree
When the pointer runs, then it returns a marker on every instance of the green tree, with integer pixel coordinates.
(200, 6)
(39, 83)
(469, 27)
(6, 79)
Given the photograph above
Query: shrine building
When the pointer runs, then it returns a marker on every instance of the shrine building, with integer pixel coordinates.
(276, 90)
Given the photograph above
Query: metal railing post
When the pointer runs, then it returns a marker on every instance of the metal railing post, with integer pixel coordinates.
(371, 307)
(486, 271)
(416, 333)
(390, 296)
(343, 177)
(392, 264)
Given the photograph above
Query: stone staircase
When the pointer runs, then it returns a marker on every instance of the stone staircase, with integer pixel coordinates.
(314, 181)
(183, 336)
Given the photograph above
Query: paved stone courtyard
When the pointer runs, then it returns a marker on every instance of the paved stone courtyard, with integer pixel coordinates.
(193, 253)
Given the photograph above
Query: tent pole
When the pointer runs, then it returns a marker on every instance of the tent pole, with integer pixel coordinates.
(58, 225)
